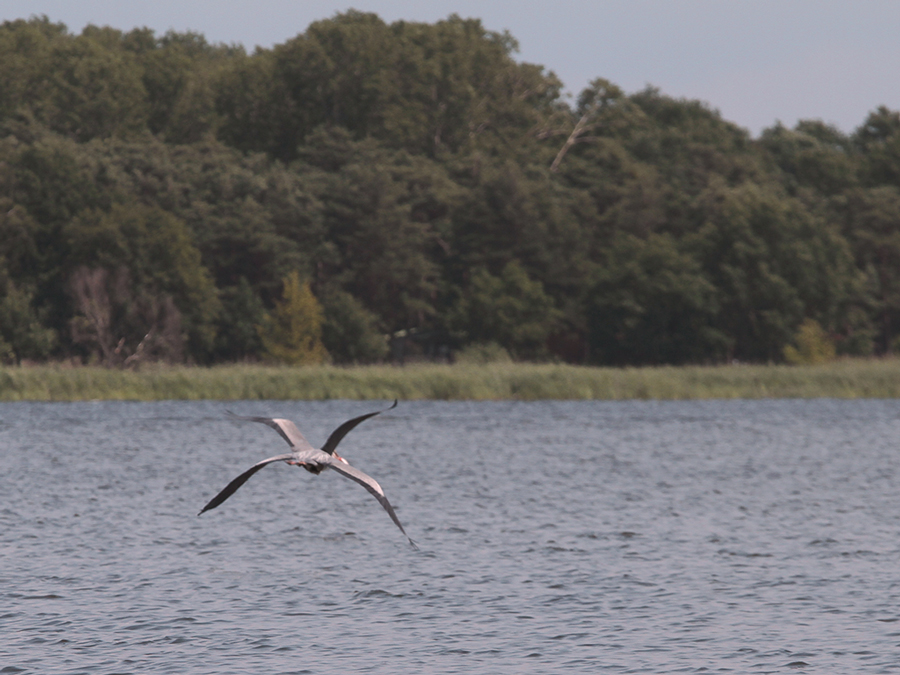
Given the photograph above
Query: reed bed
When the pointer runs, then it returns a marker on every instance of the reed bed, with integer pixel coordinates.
(869, 378)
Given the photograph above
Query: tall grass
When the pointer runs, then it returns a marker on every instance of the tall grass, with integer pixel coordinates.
(875, 378)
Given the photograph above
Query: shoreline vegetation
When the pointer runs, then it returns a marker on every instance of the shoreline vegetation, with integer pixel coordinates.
(845, 378)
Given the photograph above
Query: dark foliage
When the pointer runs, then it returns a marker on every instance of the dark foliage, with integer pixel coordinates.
(156, 192)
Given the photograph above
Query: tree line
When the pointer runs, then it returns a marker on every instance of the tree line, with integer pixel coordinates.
(370, 191)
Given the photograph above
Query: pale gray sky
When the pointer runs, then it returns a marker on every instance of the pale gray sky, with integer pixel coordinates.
(757, 61)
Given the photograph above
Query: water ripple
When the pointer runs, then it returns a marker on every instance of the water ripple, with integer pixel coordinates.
(727, 536)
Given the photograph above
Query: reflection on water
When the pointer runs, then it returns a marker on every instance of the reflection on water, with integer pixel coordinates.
(555, 537)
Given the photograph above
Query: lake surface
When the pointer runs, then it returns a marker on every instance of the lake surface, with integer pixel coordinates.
(576, 537)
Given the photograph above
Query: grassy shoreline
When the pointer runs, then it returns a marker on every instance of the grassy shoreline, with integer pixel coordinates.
(857, 378)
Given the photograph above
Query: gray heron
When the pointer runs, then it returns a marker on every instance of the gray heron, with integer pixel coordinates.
(312, 459)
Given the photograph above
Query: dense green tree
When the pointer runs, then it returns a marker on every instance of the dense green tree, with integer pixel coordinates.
(424, 88)
(773, 262)
(96, 91)
(26, 51)
(878, 138)
(81, 86)
(52, 186)
(248, 215)
(349, 331)
(511, 310)
(46, 188)
(511, 214)
(813, 155)
(255, 112)
(156, 190)
(237, 337)
(385, 213)
(651, 304)
(149, 255)
(871, 222)
(22, 332)
(179, 72)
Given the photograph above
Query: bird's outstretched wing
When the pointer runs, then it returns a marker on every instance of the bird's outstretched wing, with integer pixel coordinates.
(338, 434)
(232, 487)
(285, 428)
(372, 486)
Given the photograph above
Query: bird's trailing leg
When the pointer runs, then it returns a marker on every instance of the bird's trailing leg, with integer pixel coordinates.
(312, 468)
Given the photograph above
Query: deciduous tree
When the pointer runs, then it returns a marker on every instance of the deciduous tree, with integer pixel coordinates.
(292, 331)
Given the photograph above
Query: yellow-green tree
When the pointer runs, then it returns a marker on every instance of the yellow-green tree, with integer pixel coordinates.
(812, 345)
(292, 332)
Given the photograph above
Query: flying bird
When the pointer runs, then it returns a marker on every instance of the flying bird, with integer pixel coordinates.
(312, 459)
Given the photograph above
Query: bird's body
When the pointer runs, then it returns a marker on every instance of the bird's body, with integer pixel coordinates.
(312, 459)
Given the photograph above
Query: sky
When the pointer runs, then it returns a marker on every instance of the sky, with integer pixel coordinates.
(756, 61)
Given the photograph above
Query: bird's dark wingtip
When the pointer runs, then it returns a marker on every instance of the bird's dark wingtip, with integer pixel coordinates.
(393, 406)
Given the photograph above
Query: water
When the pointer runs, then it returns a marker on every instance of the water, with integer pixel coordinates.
(573, 537)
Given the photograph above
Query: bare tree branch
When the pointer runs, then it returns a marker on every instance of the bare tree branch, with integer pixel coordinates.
(111, 319)
(579, 129)
(88, 288)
